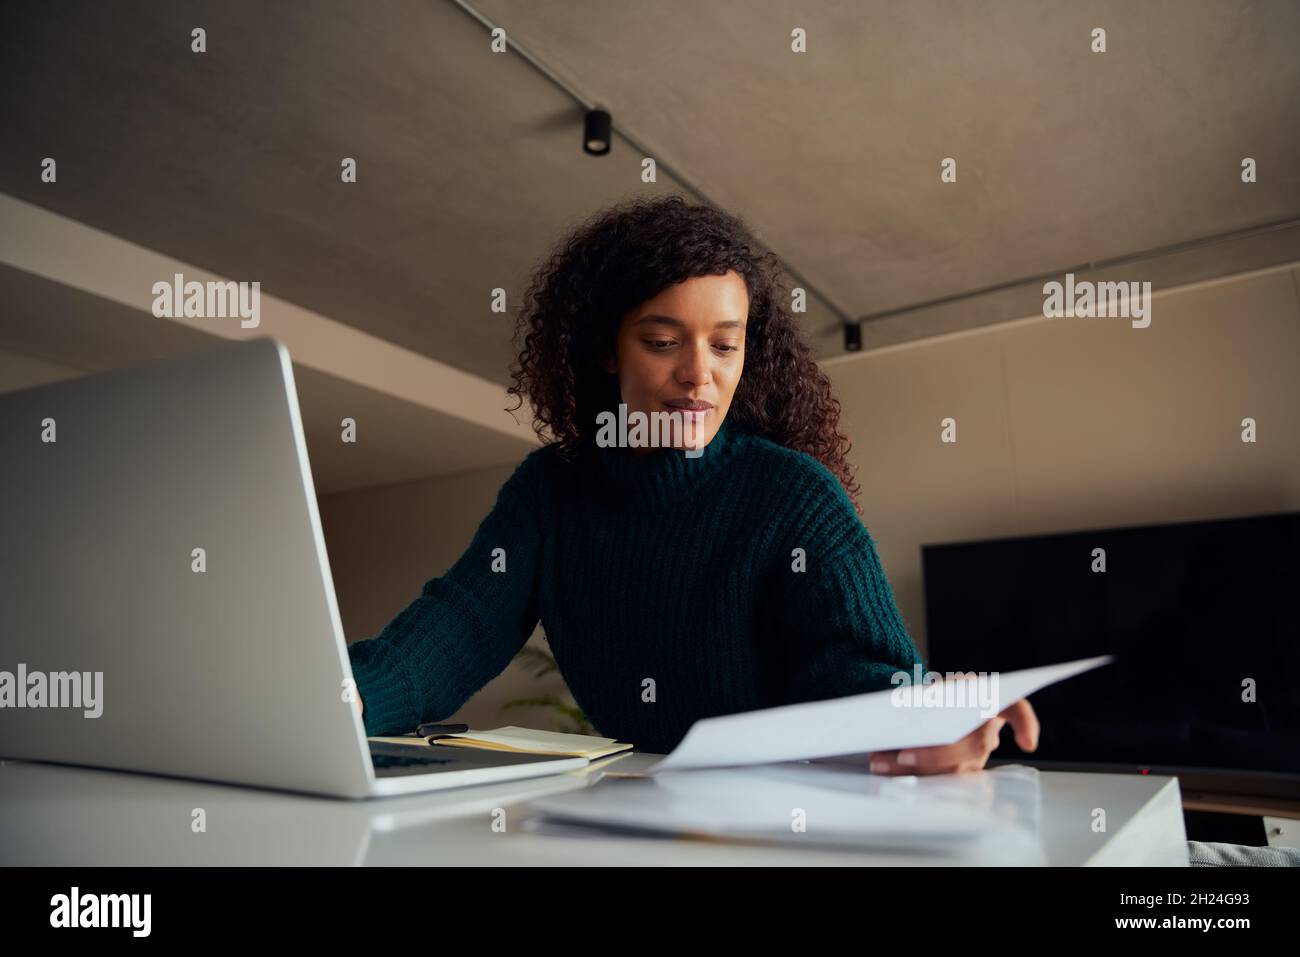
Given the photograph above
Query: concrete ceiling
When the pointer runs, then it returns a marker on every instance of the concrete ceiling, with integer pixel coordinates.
(469, 162)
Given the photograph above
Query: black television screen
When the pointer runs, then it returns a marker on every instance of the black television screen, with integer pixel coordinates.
(1201, 616)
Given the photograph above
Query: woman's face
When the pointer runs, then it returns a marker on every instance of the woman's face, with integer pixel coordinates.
(682, 352)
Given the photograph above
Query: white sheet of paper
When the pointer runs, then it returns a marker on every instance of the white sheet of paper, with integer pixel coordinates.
(757, 802)
(852, 724)
(992, 818)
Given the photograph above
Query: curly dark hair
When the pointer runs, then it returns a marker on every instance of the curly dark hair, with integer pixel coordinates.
(625, 255)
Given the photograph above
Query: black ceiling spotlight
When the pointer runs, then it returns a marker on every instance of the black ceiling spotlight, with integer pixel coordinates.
(595, 132)
(852, 336)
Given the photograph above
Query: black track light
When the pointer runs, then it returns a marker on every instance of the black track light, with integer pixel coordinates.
(595, 132)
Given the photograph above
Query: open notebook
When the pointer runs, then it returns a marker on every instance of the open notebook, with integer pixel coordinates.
(521, 741)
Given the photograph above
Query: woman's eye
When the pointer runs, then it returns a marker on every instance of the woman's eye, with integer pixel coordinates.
(661, 345)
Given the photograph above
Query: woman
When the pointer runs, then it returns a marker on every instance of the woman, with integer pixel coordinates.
(727, 573)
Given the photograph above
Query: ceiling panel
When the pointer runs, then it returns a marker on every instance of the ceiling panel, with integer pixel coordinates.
(470, 166)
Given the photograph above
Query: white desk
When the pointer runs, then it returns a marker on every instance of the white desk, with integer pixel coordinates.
(53, 815)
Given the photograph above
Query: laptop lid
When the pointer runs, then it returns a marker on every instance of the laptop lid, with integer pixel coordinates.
(163, 577)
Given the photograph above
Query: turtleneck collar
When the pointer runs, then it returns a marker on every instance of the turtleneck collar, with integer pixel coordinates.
(662, 477)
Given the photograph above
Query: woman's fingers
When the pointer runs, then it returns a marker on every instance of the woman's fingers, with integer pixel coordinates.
(971, 753)
(884, 762)
(1021, 717)
(968, 754)
(940, 759)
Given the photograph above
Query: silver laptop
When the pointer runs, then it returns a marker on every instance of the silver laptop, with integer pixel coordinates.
(166, 603)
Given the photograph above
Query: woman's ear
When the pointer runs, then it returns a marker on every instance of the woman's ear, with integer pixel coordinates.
(609, 365)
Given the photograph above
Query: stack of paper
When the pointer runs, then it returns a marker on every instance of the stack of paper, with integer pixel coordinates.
(808, 806)
(697, 791)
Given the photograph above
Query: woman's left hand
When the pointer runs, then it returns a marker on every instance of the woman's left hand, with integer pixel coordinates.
(968, 754)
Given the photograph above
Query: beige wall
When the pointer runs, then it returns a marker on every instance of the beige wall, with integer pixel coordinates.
(1061, 424)
(1075, 423)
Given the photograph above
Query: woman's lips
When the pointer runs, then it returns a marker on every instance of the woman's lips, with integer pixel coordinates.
(690, 410)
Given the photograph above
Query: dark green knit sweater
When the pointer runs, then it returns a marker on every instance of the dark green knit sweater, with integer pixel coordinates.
(670, 589)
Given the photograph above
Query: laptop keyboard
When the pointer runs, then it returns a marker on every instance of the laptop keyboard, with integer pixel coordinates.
(388, 761)
(399, 759)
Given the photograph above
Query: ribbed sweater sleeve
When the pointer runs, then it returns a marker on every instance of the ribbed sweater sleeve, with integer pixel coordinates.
(465, 626)
(838, 626)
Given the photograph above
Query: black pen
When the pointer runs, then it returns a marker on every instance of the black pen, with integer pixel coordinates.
(433, 730)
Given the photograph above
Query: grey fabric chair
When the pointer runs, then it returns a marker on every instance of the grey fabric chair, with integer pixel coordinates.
(1216, 854)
